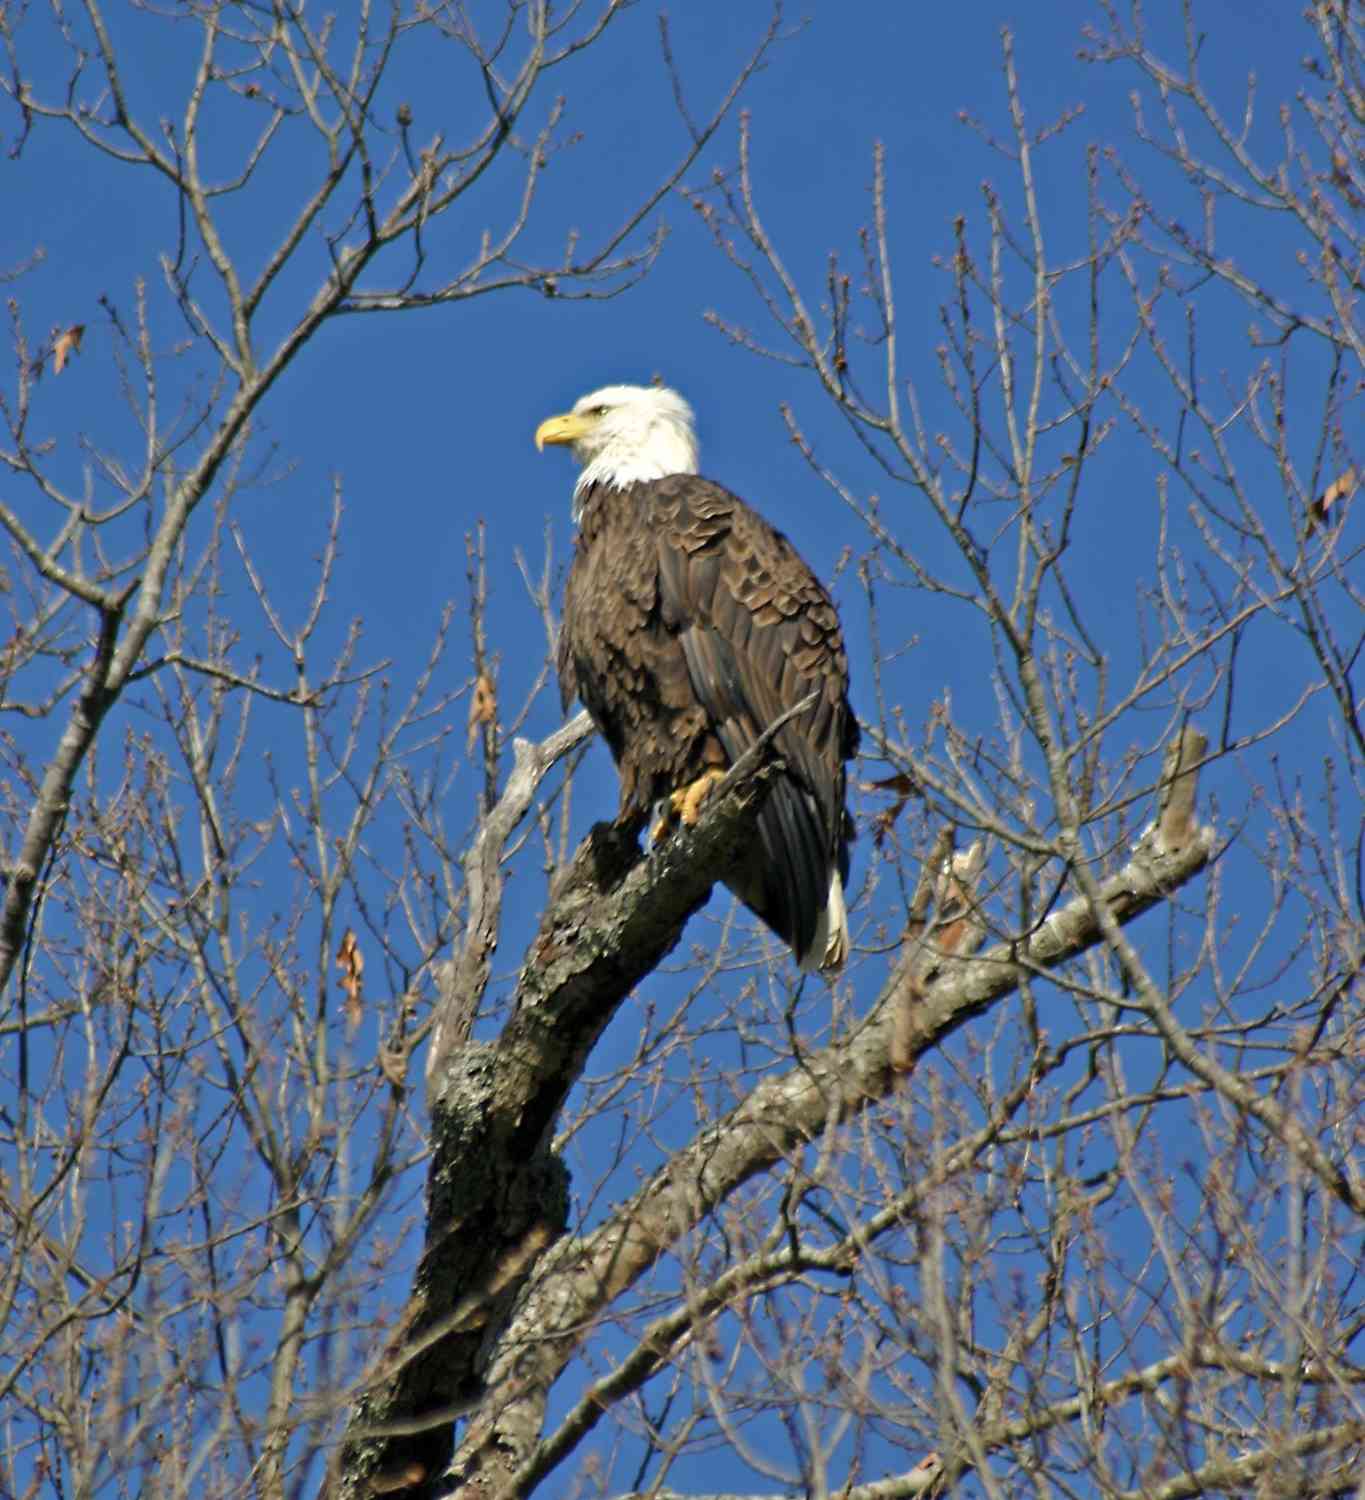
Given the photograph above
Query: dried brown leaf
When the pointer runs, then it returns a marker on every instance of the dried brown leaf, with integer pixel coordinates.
(65, 345)
(901, 783)
(1341, 488)
(904, 786)
(351, 961)
(483, 708)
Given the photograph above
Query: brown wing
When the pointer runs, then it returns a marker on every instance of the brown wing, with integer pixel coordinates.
(758, 634)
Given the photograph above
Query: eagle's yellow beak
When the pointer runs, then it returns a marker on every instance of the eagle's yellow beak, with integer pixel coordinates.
(568, 427)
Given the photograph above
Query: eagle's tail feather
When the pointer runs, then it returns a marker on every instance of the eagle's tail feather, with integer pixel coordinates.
(791, 848)
(828, 951)
(788, 880)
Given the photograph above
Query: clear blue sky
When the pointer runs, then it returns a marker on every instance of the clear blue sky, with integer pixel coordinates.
(425, 419)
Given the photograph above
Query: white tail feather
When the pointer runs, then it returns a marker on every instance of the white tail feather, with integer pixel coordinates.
(829, 948)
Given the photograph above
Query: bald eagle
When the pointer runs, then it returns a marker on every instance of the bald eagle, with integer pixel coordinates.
(690, 625)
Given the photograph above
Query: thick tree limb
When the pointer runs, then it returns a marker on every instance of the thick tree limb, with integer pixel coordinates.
(496, 1194)
(580, 1278)
(498, 1308)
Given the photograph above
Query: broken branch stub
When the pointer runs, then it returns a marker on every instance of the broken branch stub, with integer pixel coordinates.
(1175, 822)
(944, 923)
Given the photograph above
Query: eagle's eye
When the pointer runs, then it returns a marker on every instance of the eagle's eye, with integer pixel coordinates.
(599, 411)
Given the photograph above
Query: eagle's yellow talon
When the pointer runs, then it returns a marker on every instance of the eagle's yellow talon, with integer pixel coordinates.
(685, 803)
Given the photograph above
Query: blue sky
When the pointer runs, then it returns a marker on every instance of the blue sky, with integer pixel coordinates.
(424, 419)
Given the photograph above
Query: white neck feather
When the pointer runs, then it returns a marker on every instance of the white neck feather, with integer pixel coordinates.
(638, 445)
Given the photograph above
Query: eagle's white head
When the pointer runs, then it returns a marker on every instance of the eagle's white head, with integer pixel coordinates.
(625, 433)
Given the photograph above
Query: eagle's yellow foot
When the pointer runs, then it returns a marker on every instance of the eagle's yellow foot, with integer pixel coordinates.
(685, 803)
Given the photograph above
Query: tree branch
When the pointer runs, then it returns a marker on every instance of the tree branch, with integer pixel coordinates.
(584, 1276)
(494, 1182)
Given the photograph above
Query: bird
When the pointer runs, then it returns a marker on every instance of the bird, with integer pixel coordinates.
(690, 625)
